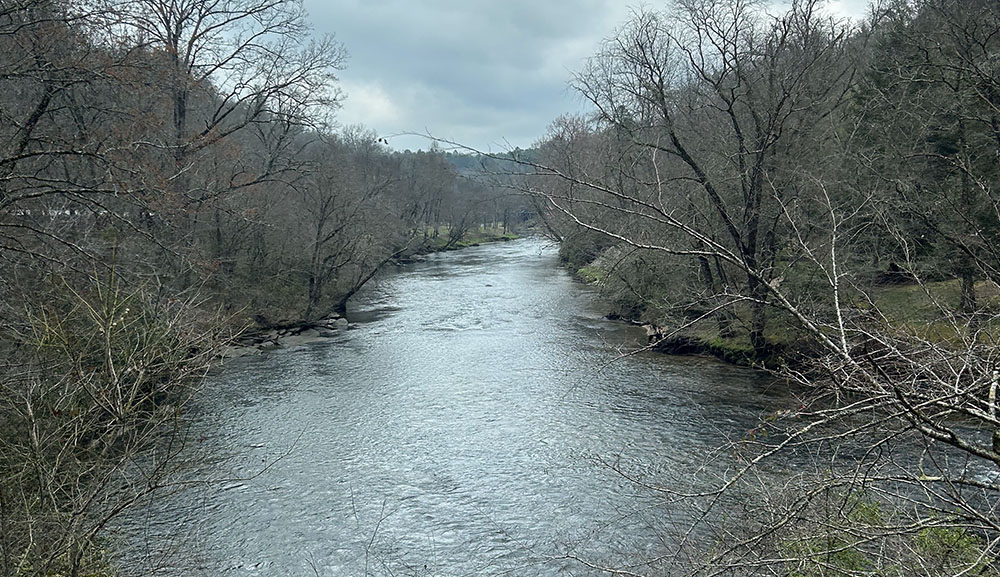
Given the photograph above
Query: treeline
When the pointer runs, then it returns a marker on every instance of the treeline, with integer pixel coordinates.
(169, 176)
(819, 198)
(732, 153)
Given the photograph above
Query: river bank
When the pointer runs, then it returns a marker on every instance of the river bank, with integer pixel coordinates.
(692, 332)
(267, 335)
(662, 339)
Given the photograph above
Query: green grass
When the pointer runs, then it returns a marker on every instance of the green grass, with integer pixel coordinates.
(591, 274)
(912, 304)
(472, 237)
(927, 310)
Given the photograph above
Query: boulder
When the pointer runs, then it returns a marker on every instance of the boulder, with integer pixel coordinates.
(306, 336)
(235, 352)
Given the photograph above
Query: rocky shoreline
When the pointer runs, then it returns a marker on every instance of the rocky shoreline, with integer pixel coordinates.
(285, 335)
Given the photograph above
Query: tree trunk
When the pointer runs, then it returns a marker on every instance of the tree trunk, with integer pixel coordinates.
(758, 317)
(966, 265)
(968, 277)
(316, 277)
(722, 320)
(314, 296)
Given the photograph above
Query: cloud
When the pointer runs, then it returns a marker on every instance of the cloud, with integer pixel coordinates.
(853, 9)
(480, 72)
(483, 73)
(367, 103)
(841, 9)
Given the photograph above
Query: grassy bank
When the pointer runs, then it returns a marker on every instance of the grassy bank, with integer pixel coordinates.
(441, 239)
(925, 310)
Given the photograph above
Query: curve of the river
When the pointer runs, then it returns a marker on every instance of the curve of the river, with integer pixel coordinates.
(469, 423)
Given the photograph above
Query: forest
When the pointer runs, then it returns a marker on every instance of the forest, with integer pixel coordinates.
(805, 195)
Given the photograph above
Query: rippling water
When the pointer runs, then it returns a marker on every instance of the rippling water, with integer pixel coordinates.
(465, 425)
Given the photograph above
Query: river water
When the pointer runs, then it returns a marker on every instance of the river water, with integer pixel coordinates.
(469, 423)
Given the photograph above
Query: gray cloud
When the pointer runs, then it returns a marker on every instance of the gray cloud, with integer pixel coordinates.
(478, 72)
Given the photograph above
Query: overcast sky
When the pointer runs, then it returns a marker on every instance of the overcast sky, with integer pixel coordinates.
(489, 74)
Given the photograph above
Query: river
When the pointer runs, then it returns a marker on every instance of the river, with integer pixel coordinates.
(468, 423)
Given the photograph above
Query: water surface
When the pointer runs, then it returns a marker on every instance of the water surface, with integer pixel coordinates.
(469, 423)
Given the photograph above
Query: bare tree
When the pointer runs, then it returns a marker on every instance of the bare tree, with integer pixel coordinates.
(245, 80)
(932, 87)
(719, 101)
(345, 217)
(89, 417)
(248, 61)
